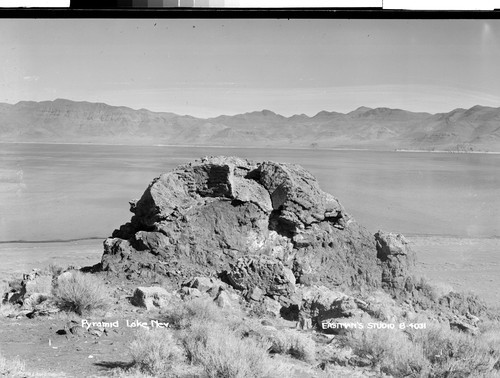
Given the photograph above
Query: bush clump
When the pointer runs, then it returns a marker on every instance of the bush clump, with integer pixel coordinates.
(458, 354)
(391, 350)
(156, 352)
(292, 342)
(81, 293)
(434, 352)
(224, 354)
(193, 311)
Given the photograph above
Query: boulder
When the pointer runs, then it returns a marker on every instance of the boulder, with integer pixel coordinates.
(151, 297)
(33, 300)
(463, 325)
(254, 224)
(321, 304)
(190, 292)
(397, 258)
(209, 285)
(46, 308)
(271, 307)
(227, 300)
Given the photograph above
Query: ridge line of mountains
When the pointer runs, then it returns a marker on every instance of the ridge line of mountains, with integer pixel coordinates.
(66, 121)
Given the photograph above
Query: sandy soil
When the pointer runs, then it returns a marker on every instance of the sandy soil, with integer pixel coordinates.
(19, 258)
(45, 349)
(469, 265)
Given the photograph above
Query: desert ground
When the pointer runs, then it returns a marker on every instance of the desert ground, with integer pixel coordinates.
(465, 264)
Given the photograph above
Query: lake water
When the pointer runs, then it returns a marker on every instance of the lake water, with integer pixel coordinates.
(52, 191)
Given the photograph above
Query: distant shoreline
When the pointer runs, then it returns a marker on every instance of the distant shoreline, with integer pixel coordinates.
(451, 152)
(62, 241)
(52, 240)
(262, 147)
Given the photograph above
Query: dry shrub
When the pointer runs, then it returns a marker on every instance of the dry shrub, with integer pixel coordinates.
(458, 354)
(292, 342)
(224, 354)
(53, 269)
(8, 309)
(156, 352)
(193, 311)
(81, 293)
(13, 368)
(16, 369)
(391, 350)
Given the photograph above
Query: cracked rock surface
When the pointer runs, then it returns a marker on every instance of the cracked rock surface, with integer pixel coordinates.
(224, 216)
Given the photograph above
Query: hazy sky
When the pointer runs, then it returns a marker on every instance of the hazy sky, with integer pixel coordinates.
(212, 67)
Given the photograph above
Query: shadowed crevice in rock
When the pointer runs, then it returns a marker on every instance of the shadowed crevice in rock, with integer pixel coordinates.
(280, 225)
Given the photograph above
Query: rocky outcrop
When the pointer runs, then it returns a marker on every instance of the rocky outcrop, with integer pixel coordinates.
(29, 291)
(398, 259)
(321, 305)
(261, 225)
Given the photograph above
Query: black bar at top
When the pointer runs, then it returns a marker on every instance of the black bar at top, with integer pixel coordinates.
(97, 4)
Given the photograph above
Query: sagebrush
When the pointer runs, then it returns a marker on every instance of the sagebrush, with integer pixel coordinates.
(81, 293)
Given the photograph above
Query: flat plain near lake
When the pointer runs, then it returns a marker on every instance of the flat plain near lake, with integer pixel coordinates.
(446, 204)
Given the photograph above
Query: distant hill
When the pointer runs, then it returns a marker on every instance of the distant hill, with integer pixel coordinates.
(65, 121)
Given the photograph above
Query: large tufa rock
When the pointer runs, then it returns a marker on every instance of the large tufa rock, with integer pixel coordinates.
(398, 259)
(223, 214)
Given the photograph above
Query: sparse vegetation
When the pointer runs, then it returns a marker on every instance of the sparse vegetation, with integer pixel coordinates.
(223, 354)
(453, 353)
(8, 309)
(11, 368)
(53, 269)
(191, 312)
(17, 369)
(81, 293)
(204, 341)
(156, 352)
(389, 349)
(435, 352)
(292, 342)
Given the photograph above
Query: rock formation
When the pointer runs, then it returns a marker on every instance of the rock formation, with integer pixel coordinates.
(263, 228)
(398, 259)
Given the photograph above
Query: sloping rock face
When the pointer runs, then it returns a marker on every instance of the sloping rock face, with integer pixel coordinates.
(224, 216)
(398, 259)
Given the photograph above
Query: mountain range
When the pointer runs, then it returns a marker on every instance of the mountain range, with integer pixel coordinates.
(65, 121)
